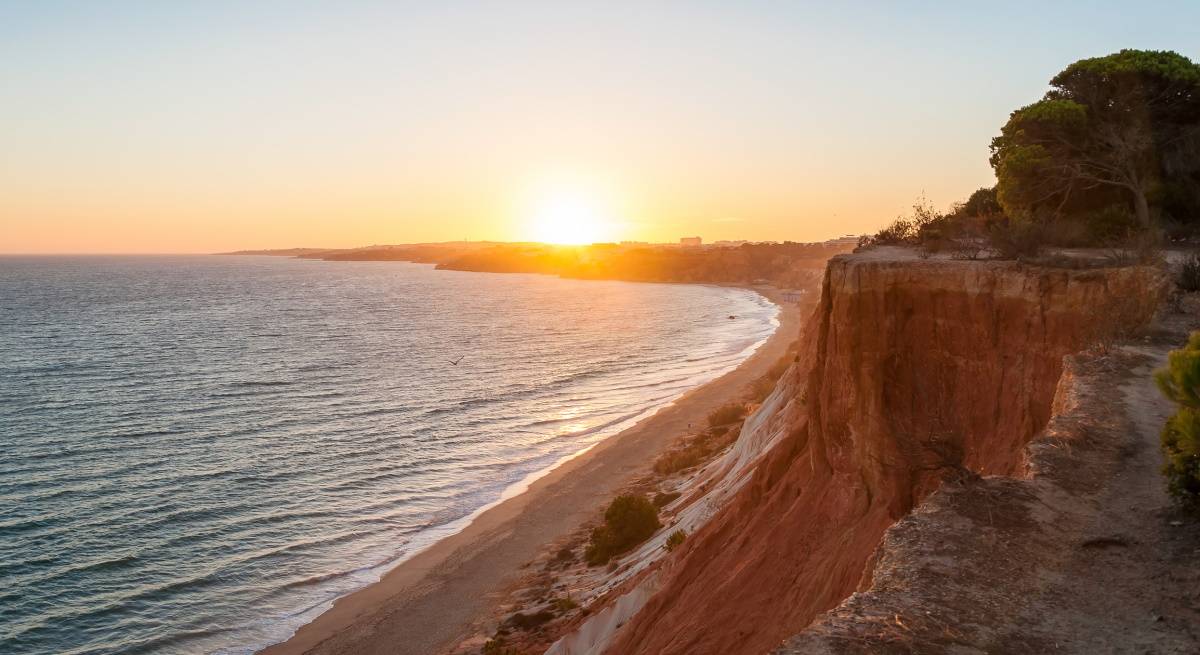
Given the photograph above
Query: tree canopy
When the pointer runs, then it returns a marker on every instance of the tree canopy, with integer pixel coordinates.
(1123, 129)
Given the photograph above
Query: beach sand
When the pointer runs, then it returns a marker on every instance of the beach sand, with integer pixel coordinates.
(427, 603)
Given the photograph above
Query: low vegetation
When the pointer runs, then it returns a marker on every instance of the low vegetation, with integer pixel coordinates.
(697, 450)
(565, 604)
(726, 415)
(1180, 382)
(628, 521)
(1189, 275)
(675, 540)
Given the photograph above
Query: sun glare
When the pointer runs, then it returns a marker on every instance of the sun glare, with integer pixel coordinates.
(570, 217)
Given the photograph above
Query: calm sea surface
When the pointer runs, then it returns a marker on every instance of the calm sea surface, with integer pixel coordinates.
(201, 453)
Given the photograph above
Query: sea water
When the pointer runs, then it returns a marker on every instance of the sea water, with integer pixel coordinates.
(200, 453)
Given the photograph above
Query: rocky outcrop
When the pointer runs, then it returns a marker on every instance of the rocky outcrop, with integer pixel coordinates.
(913, 371)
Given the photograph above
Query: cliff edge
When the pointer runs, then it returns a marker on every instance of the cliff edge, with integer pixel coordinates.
(916, 376)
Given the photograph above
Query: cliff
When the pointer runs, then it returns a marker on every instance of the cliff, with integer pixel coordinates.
(913, 372)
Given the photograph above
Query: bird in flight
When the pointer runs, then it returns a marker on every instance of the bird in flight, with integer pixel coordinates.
(454, 362)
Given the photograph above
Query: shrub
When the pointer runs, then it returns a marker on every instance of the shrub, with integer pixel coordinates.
(677, 460)
(731, 413)
(1122, 319)
(1112, 223)
(1069, 232)
(696, 451)
(905, 230)
(565, 604)
(564, 555)
(1016, 238)
(675, 540)
(1180, 382)
(523, 621)
(899, 232)
(1189, 274)
(628, 521)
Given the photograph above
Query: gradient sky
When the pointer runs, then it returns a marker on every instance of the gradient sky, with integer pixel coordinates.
(206, 126)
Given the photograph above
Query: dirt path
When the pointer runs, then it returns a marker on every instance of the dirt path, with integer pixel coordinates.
(1131, 583)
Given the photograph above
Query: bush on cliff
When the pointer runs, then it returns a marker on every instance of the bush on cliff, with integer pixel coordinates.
(1180, 382)
(628, 521)
(1189, 275)
(731, 413)
(697, 450)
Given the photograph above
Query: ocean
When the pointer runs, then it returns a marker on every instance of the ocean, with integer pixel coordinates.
(200, 453)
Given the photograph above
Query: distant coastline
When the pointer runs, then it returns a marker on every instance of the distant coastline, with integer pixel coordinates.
(782, 265)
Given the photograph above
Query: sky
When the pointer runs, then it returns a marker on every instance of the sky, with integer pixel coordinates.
(212, 126)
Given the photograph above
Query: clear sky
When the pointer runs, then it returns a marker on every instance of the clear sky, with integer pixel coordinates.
(204, 126)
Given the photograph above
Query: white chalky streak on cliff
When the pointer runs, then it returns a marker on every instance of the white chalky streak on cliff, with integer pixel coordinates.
(723, 478)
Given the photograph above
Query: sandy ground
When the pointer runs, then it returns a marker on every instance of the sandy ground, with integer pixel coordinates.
(430, 601)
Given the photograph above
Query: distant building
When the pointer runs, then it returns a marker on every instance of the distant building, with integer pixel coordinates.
(691, 242)
(848, 240)
(793, 295)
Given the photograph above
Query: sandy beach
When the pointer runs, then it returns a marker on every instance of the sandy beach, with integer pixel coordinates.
(426, 604)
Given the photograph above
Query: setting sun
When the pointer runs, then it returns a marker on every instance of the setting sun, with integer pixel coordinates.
(571, 217)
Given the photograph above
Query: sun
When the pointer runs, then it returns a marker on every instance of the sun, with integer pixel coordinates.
(570, 217)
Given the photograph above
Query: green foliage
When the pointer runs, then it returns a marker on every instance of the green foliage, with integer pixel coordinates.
(731, 413)
(1016, 239)
(1111, 224)
(982, 203)
(906, 230)
(628, 521)
(1180, 382)
(675, 540)
(1189, 274)
(1116, 129)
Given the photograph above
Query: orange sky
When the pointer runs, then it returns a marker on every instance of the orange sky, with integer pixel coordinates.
(153, 128)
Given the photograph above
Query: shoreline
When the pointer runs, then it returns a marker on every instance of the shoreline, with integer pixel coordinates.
(426, 603)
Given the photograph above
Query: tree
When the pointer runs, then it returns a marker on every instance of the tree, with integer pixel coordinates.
(1109, 124)
(982, 203)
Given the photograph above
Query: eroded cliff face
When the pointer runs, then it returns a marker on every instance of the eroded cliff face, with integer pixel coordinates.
(912, 371)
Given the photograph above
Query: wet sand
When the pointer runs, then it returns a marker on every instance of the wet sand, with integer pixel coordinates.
(427, 603)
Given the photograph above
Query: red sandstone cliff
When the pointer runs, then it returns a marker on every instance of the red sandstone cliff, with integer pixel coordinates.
(913, 370)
